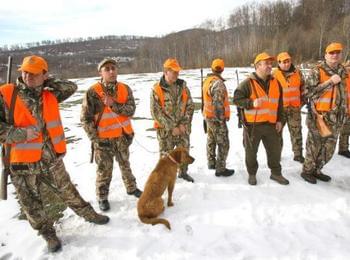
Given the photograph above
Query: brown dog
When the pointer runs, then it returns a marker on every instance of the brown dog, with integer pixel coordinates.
(151, 205)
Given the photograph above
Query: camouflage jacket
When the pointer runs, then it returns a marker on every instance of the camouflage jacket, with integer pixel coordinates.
(32, 98)
(93, 105)
(314, 89)
(217, 92)
(172, 115)
(242, 94)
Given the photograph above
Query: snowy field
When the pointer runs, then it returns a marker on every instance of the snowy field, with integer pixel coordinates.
(214, 218)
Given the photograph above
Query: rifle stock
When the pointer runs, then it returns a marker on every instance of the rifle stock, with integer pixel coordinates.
(321, 125)
(205, 127)
(5, 153)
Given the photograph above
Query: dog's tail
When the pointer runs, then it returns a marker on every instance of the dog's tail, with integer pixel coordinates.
(155, 221)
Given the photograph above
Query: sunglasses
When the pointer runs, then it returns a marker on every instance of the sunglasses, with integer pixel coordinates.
(334, 52)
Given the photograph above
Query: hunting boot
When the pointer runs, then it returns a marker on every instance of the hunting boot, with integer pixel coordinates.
(345, 153)
(186, 177)
(137, 193)
(309, 177)
(53, 243)
(322, 177)
(280, 179)
(252, 179)
(96, 218)
(103, 205)
(225, 173)
(211, 165)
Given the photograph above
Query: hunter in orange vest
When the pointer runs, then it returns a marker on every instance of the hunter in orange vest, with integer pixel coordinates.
(343, 145)
(172, 110)
(292, 84)
(216, 111)
(107, 108)
(327, 92)
(34, 141)
(260, 95)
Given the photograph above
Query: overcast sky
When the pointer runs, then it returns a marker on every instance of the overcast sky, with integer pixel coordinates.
(36, 20)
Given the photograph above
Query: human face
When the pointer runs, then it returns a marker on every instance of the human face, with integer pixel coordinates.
(34, 80)
(333, 58)
(109, 73)
(171, 76)
(285, 65)
(264, 68)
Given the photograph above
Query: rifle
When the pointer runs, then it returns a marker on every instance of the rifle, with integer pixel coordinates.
(202, 107)
(92, 144)
(6, 149)
(239, 109)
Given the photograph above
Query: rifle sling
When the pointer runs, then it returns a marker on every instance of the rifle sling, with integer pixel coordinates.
(11, 122)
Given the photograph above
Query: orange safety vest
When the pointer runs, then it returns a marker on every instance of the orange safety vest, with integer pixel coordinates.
(159, 92)
(348, 90)
(208, 109)
(111, 124)
(31, 151)
(323, 103)
(290, 87)
(268, 110)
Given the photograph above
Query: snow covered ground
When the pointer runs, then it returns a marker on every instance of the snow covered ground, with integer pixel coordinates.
(214, 218)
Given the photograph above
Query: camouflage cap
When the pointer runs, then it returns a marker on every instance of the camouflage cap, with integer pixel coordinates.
(105, 61)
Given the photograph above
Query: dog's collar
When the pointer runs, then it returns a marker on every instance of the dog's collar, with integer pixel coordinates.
(172, 158)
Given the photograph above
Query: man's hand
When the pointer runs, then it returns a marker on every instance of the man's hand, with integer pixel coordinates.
(182, 129)
(258, 102)
(176, 131)
(278, 127)
(335, 79)
(32, 133)
(107, 100)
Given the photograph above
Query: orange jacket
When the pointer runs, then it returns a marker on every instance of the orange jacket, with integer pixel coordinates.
(208, 110)
(30, 151)
(112, 125)
(159, 91)
(290, 87)
(267, 112)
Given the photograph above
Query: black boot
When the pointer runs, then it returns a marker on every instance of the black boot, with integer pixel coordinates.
(252, 179)
(309, 177)
(322, 177)
(225, 173)
(345, 153)
(280, 179)
(299, 158)
(137, 193)
(103, 205)
(186, 177)
(211, 165)
(53, 243)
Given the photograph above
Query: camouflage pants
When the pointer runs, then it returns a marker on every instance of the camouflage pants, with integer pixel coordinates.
(105, 151)
(29, 187)
(252, 136)
(168, 142)
(344, 136)
(217, 136)
(319, 150)
(292, 117)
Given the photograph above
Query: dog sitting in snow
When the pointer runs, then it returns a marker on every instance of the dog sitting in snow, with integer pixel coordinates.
(151, 205)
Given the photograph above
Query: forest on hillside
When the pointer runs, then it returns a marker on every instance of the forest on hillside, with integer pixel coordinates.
(301, 27)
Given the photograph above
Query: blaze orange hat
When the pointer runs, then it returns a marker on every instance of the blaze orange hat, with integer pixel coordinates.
(218, 65)
(263, 56)
(283, 56)
(172, 64)
(334, 46)
(34, 64)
